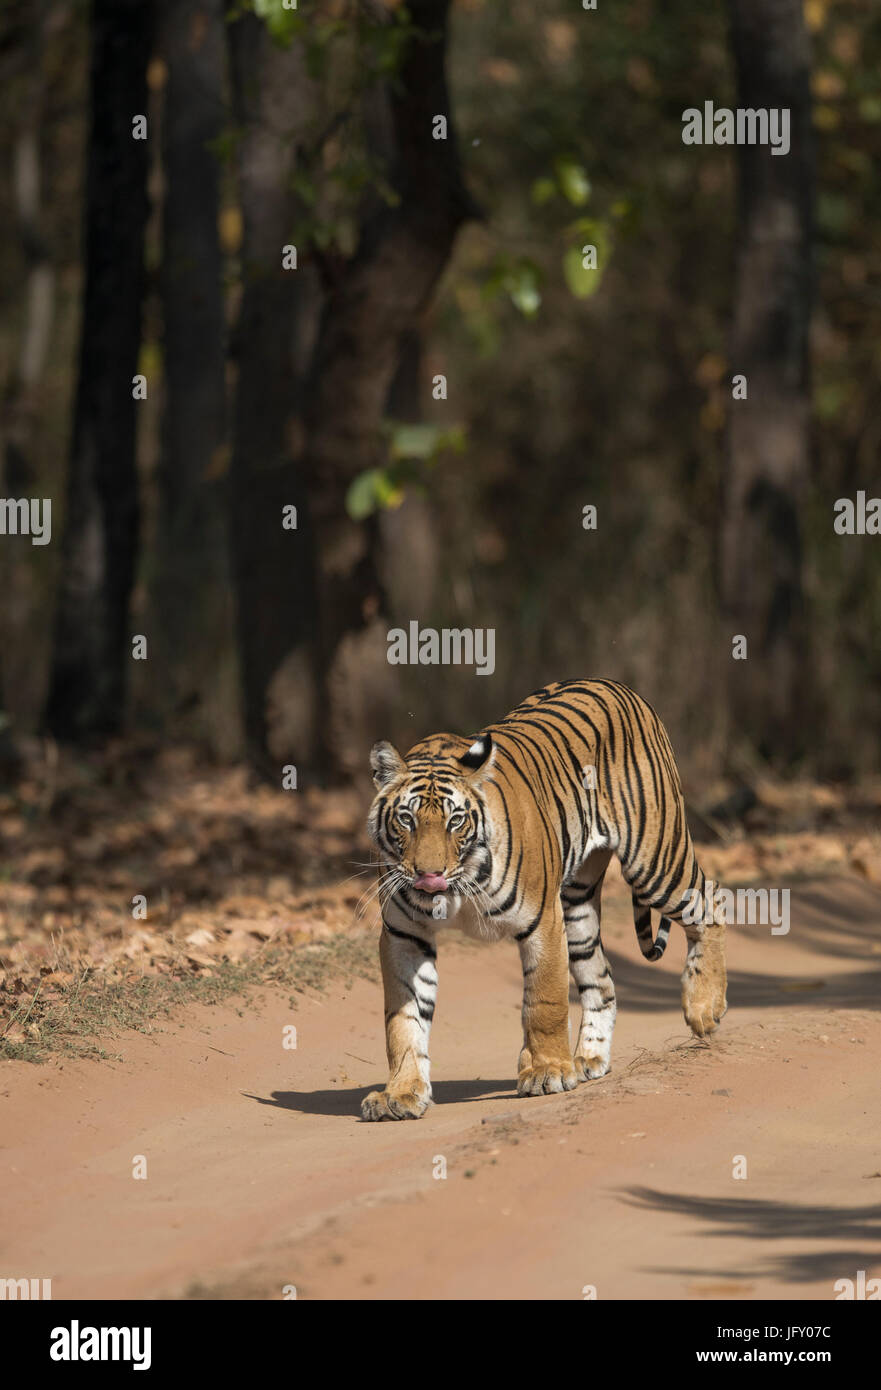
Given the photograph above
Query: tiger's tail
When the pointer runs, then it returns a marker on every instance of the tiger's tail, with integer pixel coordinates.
(652, 947)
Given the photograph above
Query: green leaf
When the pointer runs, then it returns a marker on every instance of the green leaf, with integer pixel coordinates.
(522, 286)
(367, 492)
(361, 496)
(527, 299)
(519, 279)
(374, 490)
(414, 441)
(572, 180)
(422, 443)
(283, 24)
(582, 280)
(388, 492)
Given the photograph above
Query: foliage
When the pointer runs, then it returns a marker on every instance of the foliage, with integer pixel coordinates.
(413, 451)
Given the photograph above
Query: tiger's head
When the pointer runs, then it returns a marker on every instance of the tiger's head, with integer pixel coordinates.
(429, 817)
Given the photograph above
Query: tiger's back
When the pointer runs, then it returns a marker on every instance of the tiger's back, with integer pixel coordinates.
(598, 762)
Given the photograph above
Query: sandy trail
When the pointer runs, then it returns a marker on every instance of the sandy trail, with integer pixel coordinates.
(260, 1174)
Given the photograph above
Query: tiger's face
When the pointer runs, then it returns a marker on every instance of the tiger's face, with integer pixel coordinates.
(429, 817)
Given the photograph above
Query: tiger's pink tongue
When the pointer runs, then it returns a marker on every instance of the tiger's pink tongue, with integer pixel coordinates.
(431, 883)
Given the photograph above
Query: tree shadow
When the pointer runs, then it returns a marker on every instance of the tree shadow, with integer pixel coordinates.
(752, 1219)
(348, 1101)
(640, 990)
(836, 919)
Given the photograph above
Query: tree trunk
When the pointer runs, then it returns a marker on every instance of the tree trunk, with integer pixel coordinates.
(272, 566)
(768, 446)
(284, 610)
(20, 404)
(92, 639)
(380, 298)
(191, 589)
(20, 409)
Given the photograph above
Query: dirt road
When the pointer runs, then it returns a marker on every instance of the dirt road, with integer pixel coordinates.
(260, 1174)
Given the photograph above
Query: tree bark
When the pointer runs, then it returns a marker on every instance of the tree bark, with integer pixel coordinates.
(191, 590)
(302, 596)
(379, 299)
(20, 403)
(20, 409)
(91, 640)
(768, 444)
(273, 568)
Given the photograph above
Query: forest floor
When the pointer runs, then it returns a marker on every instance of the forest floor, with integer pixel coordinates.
(162, 1040)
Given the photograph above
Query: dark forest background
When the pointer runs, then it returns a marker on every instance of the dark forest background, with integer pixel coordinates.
(270, 387)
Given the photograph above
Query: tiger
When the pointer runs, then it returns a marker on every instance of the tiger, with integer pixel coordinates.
(509, 834)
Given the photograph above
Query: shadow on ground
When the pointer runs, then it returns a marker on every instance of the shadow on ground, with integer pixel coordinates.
(348, 1102)
(834, 919)
(856, 1231)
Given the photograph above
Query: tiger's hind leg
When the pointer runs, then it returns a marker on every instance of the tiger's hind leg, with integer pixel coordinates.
(705, 979)
(589, 967)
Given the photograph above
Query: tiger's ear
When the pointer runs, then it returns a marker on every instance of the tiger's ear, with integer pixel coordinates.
(479, 758)
(385, 763)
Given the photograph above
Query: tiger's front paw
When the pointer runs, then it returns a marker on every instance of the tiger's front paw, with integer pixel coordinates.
(546, 1078)
(395, 1105)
